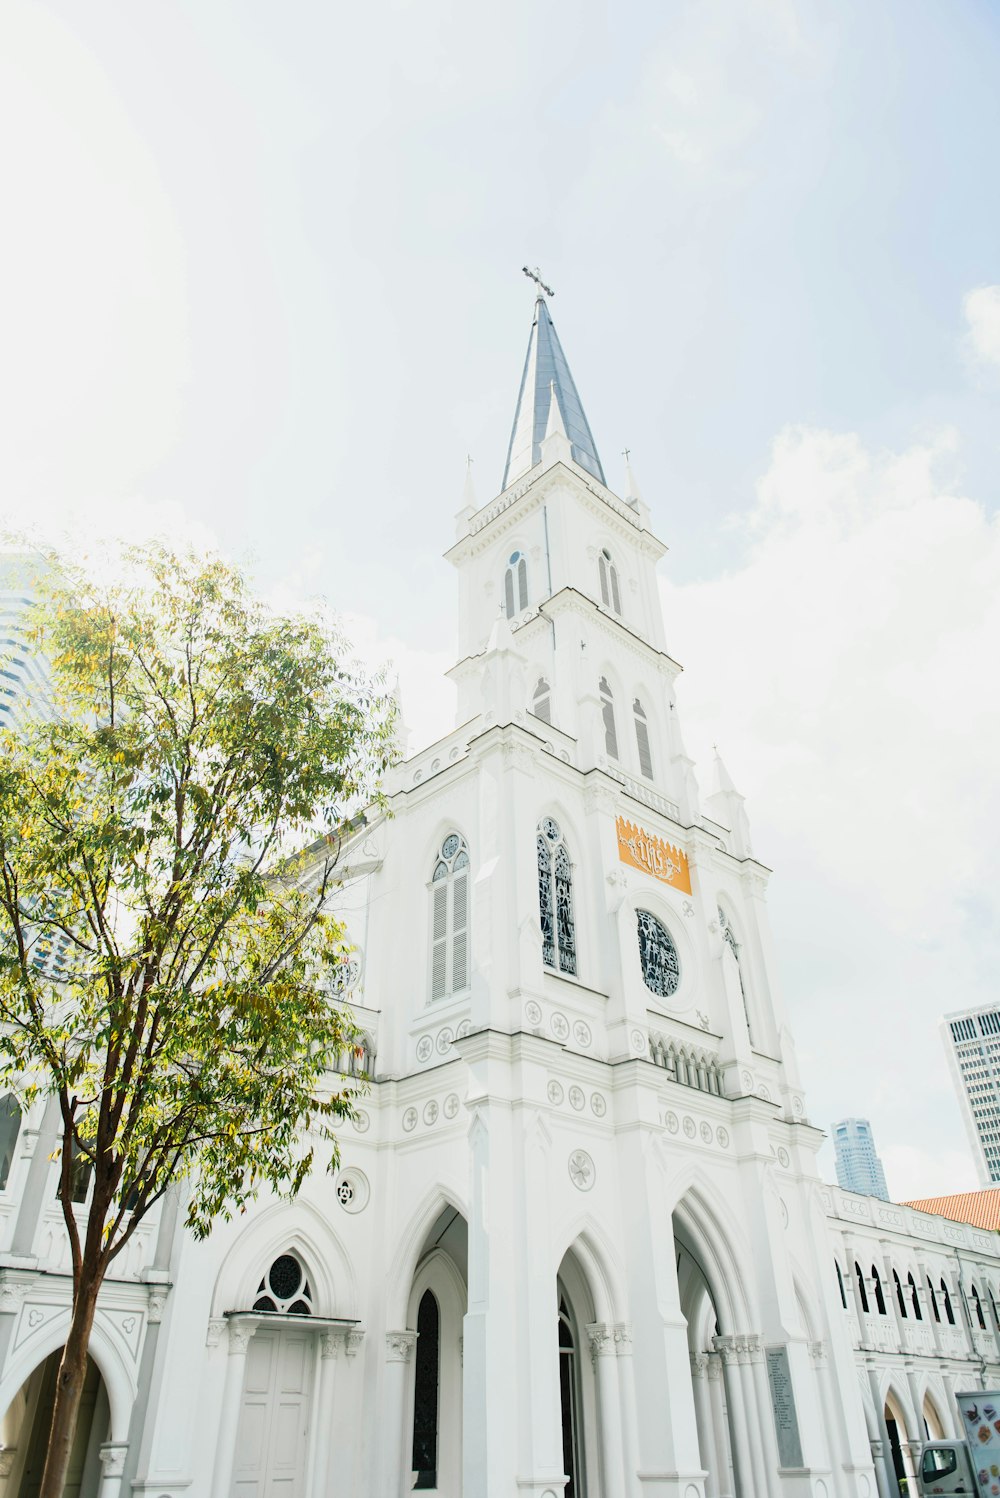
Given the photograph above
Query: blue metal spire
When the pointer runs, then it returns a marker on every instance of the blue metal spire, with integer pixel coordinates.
(546, 376)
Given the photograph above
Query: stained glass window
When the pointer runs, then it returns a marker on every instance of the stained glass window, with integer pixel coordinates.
(555, 898)
(284, 1289)
(661, 968)
(450, 918)
(425, 1394)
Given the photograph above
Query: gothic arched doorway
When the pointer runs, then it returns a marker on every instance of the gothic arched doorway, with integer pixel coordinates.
(25, 1433)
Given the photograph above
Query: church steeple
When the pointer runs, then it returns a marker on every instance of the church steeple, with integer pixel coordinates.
(546, 379)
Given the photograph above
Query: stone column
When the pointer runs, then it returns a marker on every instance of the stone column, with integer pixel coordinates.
(719, 1428)
(605, 1361)
(883, 1461)
(398, 1355)
(745, 1484)
(626, 1391)
(703, 1418)
(112, 1455)
(765, 1415)
(239, 1334)
(864, 1339)
(760, 1472)
(932, 1320)
(330, 1342)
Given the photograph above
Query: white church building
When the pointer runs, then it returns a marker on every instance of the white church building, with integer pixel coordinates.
(578, 1246)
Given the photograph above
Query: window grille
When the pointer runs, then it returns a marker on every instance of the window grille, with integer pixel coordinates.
(285, 1290)
(541, 702)
(610, 592)
(515, 585)
(661, 968)
(10, 1127)
(450, 918)
(555, 898)
(642, 740)
(427, 1378)
(608, 714)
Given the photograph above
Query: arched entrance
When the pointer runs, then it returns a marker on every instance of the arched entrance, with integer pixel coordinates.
(711, 1401)
(436, 1309)
(933, 1424)
(25, 1432)
(577, 1392)
(899, 1453)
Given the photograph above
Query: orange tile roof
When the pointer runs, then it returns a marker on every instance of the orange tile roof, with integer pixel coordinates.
(980, 1208)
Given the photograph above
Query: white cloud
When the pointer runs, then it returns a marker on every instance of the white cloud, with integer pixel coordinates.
(982, 313)
(846, 671)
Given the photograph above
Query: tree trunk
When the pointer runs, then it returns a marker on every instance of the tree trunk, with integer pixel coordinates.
(69, 1387)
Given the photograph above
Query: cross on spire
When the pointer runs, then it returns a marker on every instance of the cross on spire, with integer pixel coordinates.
(536, 276)
(626, 453)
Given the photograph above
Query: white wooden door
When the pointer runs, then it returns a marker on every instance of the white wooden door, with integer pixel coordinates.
(272, 1438)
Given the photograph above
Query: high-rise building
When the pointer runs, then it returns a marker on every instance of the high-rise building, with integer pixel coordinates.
(858, 1165)
(972, 1041)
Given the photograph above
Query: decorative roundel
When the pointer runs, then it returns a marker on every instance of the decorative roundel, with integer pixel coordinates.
(450, 1107)
(661, 967)
(560, 1026)
(345, 975)
(670, 1119)
(598, 1105)
(362, 1122)
(638, 1041)
(410, 1120)
(783, 1156)
(706, 1132)
(444, 1040)
(582, 1033)
(430, 1112)
(722, 1135)
(762, 1092)
(581, 1170)
(689, 1128)
(533, 1012)
(463, 1030)
(576, 1097)
(425, 1048)
(353, 1190)
(555, 1092)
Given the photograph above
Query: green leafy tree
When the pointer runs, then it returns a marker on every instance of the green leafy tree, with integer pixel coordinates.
(150, 831)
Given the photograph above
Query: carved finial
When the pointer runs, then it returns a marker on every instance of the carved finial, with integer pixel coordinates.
(536, 276)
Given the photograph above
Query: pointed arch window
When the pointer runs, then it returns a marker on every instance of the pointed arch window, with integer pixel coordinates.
(979, 1308)
(879, 1297)
(608, 715)
(450, 918)
(949, 1313)
(555, 898)
(934, 1304)
(285, 1290)
(861, 1287)
(642, 740)
(610, 592)
(515, 585)
(914, 1298)
(729, 938)
(427, 1381)
(661, 966)
(10, 1127)
(541, 700)
(899, 1295)
(840, 1285)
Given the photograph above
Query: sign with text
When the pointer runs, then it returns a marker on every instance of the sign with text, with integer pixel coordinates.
(786, 1421)
(652, 855)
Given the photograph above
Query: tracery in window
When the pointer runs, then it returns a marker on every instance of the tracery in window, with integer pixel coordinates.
(427, 1379)
(541, 700)
(285, 1289)
(450, 918)
(515, 585)
(555, 898)
(729, 938)
(608, 715)
(10, 1127)
(642, 740)
(661, 968)
(610, 593)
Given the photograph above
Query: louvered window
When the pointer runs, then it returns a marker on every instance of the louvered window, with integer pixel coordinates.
(608, 714)
(450, 918)
(515, 585)
(610, 592)
(642, 740)
(541, 702)
(555, 898)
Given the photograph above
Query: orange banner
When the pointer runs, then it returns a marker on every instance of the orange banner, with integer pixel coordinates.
(652, 855)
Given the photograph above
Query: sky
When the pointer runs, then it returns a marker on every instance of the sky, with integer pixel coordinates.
(262, 291)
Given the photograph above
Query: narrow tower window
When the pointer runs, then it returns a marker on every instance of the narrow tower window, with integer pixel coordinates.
(642, 740)
(425, 1394)
(610, 593)
(608, 714)
(661, 968)
(515, 585)
(555, 898)
(450, 918)
(541, 701)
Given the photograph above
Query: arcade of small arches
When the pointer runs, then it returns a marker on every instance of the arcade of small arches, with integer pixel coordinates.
(875, 1295)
